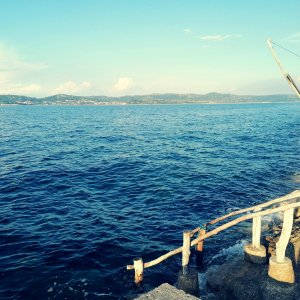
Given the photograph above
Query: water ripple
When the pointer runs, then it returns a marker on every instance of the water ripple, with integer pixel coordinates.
(84, 190)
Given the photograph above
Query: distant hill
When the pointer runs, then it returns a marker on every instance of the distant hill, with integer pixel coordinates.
(210, 98)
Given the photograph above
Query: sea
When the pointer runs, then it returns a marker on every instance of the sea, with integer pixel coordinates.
(86, 189)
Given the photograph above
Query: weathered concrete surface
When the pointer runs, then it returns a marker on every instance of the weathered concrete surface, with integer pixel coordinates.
(255, 255)
(281, 271)
(241, 280)
(166, 292)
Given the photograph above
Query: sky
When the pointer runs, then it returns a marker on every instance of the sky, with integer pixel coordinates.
(134, 47)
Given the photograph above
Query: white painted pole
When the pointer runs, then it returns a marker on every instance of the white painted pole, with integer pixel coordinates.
(138, 270)
(256, 230)
(186, 251)
(288, 218)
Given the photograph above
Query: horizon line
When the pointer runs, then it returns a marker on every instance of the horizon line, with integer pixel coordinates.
(151, 94)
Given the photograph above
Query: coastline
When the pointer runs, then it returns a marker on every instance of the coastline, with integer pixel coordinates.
(148, 99)
(152, 104)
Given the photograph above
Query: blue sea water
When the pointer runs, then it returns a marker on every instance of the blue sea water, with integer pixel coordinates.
(84, 190)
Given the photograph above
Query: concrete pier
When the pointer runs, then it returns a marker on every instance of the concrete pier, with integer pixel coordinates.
(166, 292)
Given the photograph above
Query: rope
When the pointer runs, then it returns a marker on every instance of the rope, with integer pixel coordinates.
(202, 226)
(286, 49)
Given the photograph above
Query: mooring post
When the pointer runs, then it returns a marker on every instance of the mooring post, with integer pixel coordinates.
(186, 251)
(138, 270)
(280, 267)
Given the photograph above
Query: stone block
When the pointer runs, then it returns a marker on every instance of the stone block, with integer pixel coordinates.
(255, 255)
(281, 271)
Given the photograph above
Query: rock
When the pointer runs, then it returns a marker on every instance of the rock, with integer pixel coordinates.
(189, 282)
(235, 280)
(274, 290)
(241, 280)
(166, 292)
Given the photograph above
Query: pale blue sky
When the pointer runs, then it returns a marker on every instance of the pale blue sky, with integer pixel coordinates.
(115, 47)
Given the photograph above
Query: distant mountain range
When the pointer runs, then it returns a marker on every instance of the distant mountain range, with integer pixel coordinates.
(211, 98)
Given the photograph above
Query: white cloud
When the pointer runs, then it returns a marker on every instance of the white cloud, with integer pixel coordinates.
(71, 87)
(219, 37)
(15, 71)
(124, 84)
(292, 38)
(85, 85)
(20, 89)
(212, 38)
(10, 61)
(187, 30)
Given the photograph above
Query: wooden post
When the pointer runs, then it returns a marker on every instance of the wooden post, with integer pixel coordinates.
(138, 270)
(256, 230)
(288, 218)
(186, 251)
(199, 246)
(187, 279)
